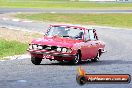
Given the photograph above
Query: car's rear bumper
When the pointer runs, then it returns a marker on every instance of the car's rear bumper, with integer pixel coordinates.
(52, 53)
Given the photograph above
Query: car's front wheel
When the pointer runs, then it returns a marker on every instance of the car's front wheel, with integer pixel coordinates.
(77, 59)
(36, 60)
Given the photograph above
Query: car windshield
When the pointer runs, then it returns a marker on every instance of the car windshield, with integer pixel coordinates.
(63, 31)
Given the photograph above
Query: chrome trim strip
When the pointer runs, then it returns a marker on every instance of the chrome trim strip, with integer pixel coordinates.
(51, 53)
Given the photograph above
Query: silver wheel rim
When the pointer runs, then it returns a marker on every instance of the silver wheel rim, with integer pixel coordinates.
(98, 56)
(77, 58)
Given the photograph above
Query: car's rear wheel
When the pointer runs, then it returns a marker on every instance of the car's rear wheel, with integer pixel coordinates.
(36, 60)
(96, 58)
(77, 59)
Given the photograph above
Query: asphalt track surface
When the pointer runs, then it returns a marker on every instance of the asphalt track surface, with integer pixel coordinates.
(12, 10)
(21, 73)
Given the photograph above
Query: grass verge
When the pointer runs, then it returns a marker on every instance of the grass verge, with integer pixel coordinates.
(8, 48)
(65, 4)
(15, 42)
(115, 20)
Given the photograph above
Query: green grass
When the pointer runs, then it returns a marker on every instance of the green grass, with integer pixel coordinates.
(115, 20)
(62, 4)
(8, 48)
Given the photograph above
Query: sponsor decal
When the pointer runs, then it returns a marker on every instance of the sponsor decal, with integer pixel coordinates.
(82, 78)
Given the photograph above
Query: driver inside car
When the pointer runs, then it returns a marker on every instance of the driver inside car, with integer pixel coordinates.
(79, 36)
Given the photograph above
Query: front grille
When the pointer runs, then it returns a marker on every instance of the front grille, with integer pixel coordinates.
(49, 47)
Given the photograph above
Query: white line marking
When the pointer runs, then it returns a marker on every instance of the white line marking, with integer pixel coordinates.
(5, 18)
(52, 12)
(16, 20)
(22, 81)
(27, 21)
(23, 57)
(19, 57)
(2, 60)
(19, 28)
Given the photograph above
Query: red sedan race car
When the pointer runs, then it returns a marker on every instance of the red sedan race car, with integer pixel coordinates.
(67, 43)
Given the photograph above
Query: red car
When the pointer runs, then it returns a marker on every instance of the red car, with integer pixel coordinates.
(67, 43)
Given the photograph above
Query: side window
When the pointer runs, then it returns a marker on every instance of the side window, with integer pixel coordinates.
(86, 36)
(91, 33)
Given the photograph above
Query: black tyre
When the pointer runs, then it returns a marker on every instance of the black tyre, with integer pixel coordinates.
(96, 58)
(77, 59)
(60, 61)
(36, 60)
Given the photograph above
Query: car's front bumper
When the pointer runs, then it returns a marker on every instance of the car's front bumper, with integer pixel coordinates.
(52, 53)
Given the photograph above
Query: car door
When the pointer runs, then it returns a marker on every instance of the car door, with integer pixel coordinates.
(86, 48)
(94, 43)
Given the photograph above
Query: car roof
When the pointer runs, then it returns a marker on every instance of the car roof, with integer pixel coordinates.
(70, 25)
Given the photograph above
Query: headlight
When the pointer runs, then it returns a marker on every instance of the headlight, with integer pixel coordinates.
(64, 50)
(35, 47)
(59, 49)
(48, 48)
(69, 50)
(40, 47)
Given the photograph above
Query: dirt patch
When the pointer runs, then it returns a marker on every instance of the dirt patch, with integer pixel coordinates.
(17, 35)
